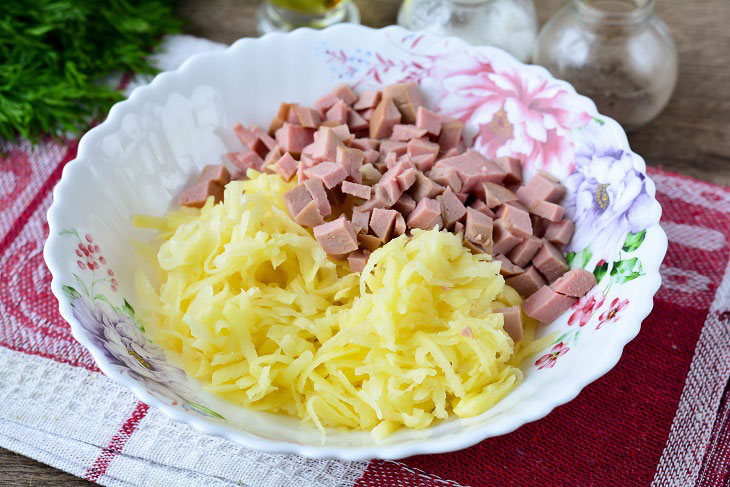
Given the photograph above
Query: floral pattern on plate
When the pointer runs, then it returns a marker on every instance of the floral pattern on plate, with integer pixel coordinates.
(117, 333)
(515, 115)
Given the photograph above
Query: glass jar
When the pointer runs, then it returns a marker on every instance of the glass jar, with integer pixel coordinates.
(509, 24)
(617, 52)
(286, 15)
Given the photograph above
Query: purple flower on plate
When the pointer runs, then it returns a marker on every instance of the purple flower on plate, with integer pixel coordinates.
(608, 195)
(128, 350)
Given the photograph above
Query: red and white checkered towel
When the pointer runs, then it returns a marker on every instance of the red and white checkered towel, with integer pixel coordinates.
(662, 415)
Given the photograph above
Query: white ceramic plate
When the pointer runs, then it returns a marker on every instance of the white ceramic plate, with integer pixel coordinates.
(153, 144)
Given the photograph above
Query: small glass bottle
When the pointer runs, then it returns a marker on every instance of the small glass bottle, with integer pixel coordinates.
(617, 52)
(286, 15)
(509, 24)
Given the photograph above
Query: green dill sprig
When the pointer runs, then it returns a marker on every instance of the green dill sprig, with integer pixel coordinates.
(56, 57)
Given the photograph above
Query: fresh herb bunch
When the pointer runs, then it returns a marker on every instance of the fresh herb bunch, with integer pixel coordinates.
(56, 57)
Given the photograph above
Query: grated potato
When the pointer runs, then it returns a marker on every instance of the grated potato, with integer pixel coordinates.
(252, 306)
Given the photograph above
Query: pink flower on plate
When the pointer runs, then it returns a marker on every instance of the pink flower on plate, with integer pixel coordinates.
(611, 315)
(586, 306)
(517, 113)
(548, 360)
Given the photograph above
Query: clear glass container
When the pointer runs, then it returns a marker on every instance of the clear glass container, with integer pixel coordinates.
(509, 24)
(286, 15)
(617, 52)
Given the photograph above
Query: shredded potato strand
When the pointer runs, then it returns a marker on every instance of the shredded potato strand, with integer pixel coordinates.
(250, 304)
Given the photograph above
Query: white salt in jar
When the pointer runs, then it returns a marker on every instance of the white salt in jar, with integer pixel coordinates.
(509, 24)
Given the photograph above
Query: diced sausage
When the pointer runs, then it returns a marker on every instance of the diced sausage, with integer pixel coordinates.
(523, 253)
(508, 268)
(360, 220)
(550, 262)
(420, 147)
(458, 228)
(215, 173)
(336, 237)
(474, 247)
(516, 221)
(384, 118)
(286, 167)
(473, 169)
(541, 187)
(407, 98)
(370, 242)
(358, 190)
(450, 134)
(391, 160)
(382, 222)
(399, 228)
(247, 159)
(338, 112)
(546, 305)
(281, 117)
(452, 210)
(371, 156)
(512, 322)
(407, 132)
(526, 283)
(547, 210)
(270, 159)
(367, 99)
(425, 215)
(365, 144)
(446, 176)
(539, 226)
(358, 260)
(454, 151)
(319, 195)
(424, 187)
(560, 233)
(341, 92)
(504, 241)
(307, 117)
(423, 162)
(330, 173)
(309, 216)
(379, 199)
(355, 121)
(512, 167)
(196, 196)
(495, 194)
(405, 204)
(351, 159)
(325, 145)
(296, 199)
(398, 147)
(255, 139)
(575, 283)
(342, 132)
(406, 179)
(478, 227)
(428, 120)
(482, 207)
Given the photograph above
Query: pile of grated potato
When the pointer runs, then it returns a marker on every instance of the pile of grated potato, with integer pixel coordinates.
(252, 306)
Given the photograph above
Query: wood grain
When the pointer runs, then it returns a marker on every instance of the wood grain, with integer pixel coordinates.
(691, 136)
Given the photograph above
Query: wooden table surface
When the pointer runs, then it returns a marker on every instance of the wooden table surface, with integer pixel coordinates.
(691, 135)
